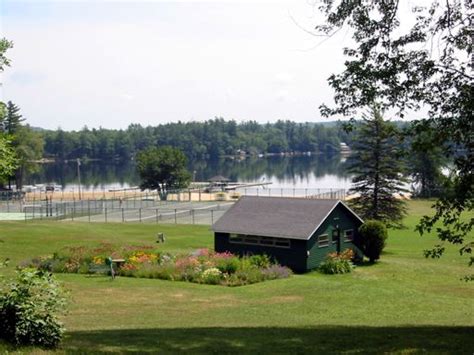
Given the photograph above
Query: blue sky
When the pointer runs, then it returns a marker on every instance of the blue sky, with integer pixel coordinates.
(109, 64)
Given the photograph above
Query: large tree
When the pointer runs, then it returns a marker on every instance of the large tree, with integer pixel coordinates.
(377, 166)
(426, 64)
(8, 161)
(425, 162)
(162, 169)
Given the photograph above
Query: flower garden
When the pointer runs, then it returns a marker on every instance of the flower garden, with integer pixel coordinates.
(143, 261)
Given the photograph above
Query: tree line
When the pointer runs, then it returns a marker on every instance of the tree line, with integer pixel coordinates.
(197, 140)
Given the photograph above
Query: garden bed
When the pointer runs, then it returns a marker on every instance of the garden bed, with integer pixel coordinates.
(202, 266)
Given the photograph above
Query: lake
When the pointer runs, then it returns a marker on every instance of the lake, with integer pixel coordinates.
(314, 171)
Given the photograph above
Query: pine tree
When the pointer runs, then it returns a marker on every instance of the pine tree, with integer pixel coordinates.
(13, 119)
(377, 166)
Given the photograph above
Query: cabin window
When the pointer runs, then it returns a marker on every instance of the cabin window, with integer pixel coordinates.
(323, 240)
(335, 235)
(348, 235)
(235, 238)
(251, 239)
(282, 243)
(267, 241)
(257, 240)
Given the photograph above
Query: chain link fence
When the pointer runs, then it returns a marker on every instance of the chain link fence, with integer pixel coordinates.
(190, 206)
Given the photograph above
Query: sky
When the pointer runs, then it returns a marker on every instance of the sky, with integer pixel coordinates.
(112, 63)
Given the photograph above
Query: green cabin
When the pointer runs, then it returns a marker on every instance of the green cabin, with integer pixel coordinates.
(297, 232)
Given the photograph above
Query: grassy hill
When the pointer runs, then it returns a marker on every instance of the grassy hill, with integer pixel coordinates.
(403, 304)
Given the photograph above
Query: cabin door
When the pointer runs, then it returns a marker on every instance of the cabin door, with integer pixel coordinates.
(336, 239)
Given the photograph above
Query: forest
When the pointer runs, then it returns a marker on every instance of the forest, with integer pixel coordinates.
(198, 140)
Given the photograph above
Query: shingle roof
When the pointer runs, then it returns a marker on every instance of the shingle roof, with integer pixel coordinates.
(295, 218)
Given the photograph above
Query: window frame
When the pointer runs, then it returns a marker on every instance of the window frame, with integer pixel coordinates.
(328, 241)
(259, 241)
(345, 235)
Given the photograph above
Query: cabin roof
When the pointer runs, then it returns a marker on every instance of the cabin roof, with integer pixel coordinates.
(294, 218)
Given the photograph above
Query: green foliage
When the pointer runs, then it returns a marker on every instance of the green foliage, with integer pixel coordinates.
(8, 159)
(377, 167)
(29, 309)
(28, 147)
(198, 140)
(335, 266)
(425, 160)
(395, 66)
(338, 263)
(260, 260)
(13, 118)
(228, 265)
(4, 46)
(372, 239)
(162, 169)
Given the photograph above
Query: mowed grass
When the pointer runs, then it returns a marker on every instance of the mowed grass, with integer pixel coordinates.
(403, 304)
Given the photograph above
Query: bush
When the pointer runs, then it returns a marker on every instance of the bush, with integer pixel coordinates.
(372, 239)
(211, 276)
(261, 261)
(228, 265)
(29, 308)
(336, 266)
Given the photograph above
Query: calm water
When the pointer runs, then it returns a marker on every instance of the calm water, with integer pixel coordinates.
(283, 172)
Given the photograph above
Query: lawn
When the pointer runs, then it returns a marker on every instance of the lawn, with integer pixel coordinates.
(403, 304)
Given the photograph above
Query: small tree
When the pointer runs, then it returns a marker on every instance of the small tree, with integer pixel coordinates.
(372, 239)
(377, 166)
(162, 169)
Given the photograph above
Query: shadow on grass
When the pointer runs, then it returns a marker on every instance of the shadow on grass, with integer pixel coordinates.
(323, 339)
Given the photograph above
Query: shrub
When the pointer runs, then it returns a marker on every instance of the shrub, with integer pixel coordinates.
(262, 261)
(228, 265)
(372, 239)
(211, 276)
(29, 308)
(335, 266)
(338, 263)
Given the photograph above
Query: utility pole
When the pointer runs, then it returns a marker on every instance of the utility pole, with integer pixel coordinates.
(79, 175)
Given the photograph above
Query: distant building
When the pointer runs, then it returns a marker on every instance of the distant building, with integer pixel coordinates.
(297, 232)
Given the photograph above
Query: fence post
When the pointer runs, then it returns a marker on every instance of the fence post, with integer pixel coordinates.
(105, 214)
(123, 215)
(89, 209)
(175, 218)
(140, 214)
(192, 211)
(212, 217)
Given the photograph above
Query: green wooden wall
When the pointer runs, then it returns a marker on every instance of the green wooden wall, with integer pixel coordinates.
(344, 220)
